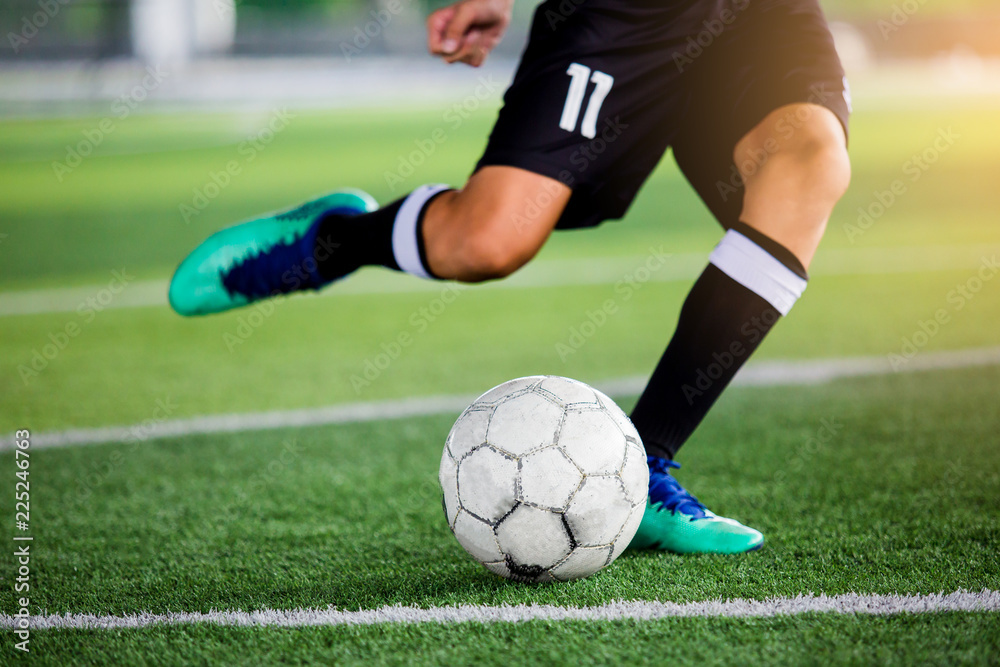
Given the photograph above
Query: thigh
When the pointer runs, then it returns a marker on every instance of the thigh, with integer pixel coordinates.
(515, 206)
(776, 56)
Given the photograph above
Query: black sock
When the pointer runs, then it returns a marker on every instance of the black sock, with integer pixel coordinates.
(751, 281)
(346, 243)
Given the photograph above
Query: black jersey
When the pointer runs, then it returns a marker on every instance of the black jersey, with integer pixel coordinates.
(606, 86)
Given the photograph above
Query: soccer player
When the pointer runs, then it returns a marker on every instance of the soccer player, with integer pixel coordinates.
(751, 96)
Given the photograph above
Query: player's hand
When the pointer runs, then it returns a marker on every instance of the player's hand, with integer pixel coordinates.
(468, 30)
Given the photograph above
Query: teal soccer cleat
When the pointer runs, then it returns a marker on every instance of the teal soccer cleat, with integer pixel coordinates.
(258, 259)
(675, 521)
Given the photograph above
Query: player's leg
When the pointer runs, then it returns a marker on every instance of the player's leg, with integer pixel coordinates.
(473, 234)
(753, 278)
(757, 271)
(772, 187)
(521, 189)
(492, 226)
(790, 192)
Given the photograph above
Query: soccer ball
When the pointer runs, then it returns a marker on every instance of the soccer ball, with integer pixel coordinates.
(544, 479)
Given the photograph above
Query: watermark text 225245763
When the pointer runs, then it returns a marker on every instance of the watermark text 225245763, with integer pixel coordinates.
(22, 553)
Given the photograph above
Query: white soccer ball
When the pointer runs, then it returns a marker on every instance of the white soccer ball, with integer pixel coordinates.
(544, 479)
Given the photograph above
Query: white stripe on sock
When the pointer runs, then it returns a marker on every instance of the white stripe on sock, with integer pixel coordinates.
(405, 245)
(756, 269)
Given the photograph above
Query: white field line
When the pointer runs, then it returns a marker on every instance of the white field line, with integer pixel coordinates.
(545, 273)
(849, 603)
(764, 373)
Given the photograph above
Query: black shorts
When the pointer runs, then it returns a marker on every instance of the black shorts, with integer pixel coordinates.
(605, 86)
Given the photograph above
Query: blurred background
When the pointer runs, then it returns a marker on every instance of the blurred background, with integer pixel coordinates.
(130, 130)
(185, 30)
(61, 55)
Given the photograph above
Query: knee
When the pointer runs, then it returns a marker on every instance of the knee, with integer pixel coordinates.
(479, 233)
(483, 258)
(820, 151)
(485, 253)
(812, 151)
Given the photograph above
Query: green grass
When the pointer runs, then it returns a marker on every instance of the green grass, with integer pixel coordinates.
(287, 518)
(307, 352)
(902, 500)
(801, 640)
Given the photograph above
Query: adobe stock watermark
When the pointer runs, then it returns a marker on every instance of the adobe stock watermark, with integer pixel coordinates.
(913, 170)
(248, 322)
(797, 463)
(828, 430)
(99, 471)
(248, 494)
(121, 108)
(752, 331)
(32, 24)
(561, 12)
(247, 150)
(585, 156)
(625, 288)
(696, 44)
(260, 312)
(953, 480)
(785, 128)
(533, 206)
(364, 34)
(419, 321)
(956, 300)
(712, 30)
(87, 311)
(453, 118)
(225, 9)
(581, 159)
(900, 15)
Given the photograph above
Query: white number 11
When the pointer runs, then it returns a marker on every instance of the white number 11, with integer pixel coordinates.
(579, 76)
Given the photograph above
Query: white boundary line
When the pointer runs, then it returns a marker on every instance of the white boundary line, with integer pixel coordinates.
(850, 603)
(543, 273)
(765, 373)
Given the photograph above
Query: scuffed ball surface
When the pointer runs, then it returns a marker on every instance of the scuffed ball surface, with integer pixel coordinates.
(544, 479)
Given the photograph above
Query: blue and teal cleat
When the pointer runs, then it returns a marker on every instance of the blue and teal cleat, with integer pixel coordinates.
(258, 259)
(675, 521)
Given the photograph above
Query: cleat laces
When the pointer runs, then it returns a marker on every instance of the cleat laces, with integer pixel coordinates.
(666, 490)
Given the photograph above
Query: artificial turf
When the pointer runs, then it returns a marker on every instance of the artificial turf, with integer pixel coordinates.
(877, 485)
(902, 498)
(812, 639)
